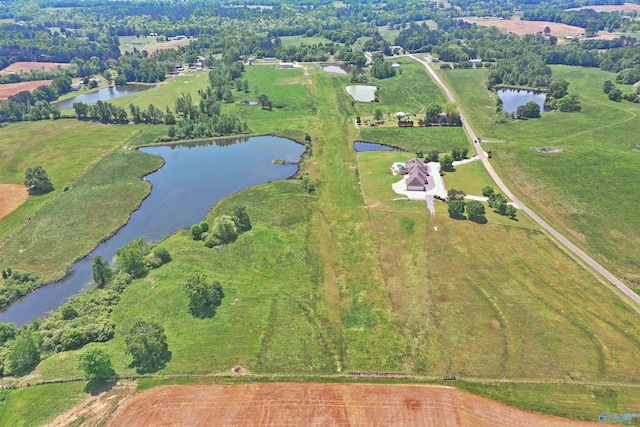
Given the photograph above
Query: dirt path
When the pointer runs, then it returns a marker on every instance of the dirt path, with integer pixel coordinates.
(299, 404)
(485, 161)
(96, 410)
(11, 197)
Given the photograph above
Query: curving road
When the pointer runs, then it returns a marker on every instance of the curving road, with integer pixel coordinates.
(485, 161)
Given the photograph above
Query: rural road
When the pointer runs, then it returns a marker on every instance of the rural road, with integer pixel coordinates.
(485, 161)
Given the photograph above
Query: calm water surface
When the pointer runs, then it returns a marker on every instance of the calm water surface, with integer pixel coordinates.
(370, 146)
(513, 98)
(103, 95)
(362, 93)
(194, 178)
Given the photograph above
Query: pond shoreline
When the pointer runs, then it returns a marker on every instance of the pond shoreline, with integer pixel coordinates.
(72, 276)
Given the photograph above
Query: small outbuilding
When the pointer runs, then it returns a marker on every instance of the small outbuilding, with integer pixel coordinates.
(286, 65)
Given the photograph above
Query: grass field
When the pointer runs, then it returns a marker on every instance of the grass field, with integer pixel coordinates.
(349, 280)
(298, 40)
(586, 192)
(38, 405)
(287, 89)
(45, 143)
(65, 230)
(409, 92)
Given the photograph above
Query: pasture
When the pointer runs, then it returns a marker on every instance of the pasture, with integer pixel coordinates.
(45, 143)
(112, 189)
(345, 279)
(586, 191)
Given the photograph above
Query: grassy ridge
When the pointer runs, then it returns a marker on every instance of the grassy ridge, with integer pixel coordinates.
(112, 188)
(44, 143)
(38, 405)
(587, 191)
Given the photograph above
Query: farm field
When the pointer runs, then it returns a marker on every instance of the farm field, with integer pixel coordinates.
(10, 89)
(112, 188)
(522, 27)
(592, 205)
(298, 40)
(627, 7)
(171, 44)
(325, 404)
(17, 67)
(83, 144)
(11, 197)
(345, 279)
(165, 93)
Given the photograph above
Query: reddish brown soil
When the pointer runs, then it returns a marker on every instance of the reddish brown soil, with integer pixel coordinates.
(17, 67)
(9, 89)
(521, 28)
(305, 404)
(11, 196)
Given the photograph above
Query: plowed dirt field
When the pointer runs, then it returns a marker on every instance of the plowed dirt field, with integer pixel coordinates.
(11, 196)
(312, 404)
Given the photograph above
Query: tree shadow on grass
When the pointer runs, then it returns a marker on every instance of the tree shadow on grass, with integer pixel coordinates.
(458, 217)
(154, 363)
(204, 313)
(95, 387)
(478, 220)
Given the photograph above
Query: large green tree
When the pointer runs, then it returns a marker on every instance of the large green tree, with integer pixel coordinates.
(456, 208)
(530, 110)
(96, 364)
(102, 272)
(131, 258)
(146, 342)
(23, 354)
(204, 296)
(241, 219)
(476, 211)
(37, 181)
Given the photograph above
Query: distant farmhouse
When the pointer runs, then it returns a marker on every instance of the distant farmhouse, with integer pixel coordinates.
(415, 172)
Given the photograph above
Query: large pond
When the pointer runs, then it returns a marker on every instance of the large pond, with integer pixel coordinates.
(370, 146)
(362, 93)
(513, 98)
(194, 178)
(103, 95)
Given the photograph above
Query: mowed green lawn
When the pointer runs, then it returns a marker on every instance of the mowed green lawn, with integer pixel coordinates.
(65, 148)
(589, 191)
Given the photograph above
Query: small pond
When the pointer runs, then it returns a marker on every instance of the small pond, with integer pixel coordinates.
(250, 102)
(513, 98)
(103, 95)
(338, 69)
(370, 146)
(362, 93)
(194, 178)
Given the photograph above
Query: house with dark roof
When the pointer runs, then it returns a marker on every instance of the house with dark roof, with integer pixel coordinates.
(416, 175)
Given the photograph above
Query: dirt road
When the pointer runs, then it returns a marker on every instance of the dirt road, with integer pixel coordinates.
(485, 161)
